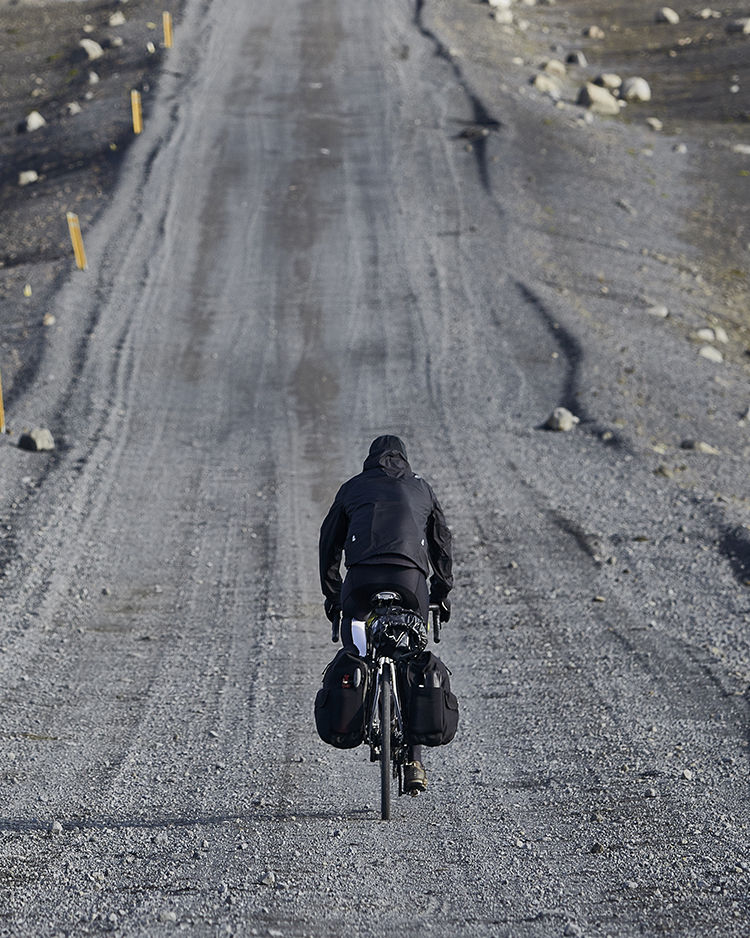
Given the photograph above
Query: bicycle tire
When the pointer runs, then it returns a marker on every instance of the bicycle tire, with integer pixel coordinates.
(385, 745)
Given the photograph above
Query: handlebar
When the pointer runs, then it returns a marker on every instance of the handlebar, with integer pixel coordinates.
(336, 628)
(435, 613)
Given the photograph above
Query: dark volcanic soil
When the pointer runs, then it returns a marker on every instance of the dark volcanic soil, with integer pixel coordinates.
(43, 68)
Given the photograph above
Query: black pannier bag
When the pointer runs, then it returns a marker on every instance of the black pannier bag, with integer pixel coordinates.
(340, 713)
(430, 709)
(398, 631)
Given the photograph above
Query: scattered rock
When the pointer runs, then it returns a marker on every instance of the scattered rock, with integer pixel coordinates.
(663, 470)
(667, 15)
(555, 67)
(116, 43)
(597, 848)
(72, 108)
(609, 80)
(711, 353)
(92, 49)
(635, 89)
(704, 335)
(572, 930)
(739, 26)
(27, 177)
(167, 916)
(706, 14)
(654, 123)
(56, 828)
(547, 85)
(577, 58)
(32, 122)
(721, 335)
(659, 310)
(500, 4)
(743, 148)
(594, 32)
(561, 419)
(687, 775)
(38, 440)
(117, 19)
(600, 599)
(651, 793)
(699, 447)
(504, 17)
(269, 879)
(679, 148)
(598, 100)
(93, 78)
(626, 206)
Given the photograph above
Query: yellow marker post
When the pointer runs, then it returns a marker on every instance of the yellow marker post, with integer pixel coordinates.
(135, 102)
(167, 22)
(74, 227)
(2, 409)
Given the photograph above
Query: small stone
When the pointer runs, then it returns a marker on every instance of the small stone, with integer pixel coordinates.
(49, 319)
(572, 930)
(651, 793)
(597, 848)
(167, 916)
(635, 89)
(561, 419)
(56, 828)
(27, 177)
(504, 17)
(150, 48)
(72, 108)
(609, 80)
(600, 599)
(500, 4)
(112, 918)
(663, 470)
(706, 14)
(711, 353)
(705, 335)
(598, 100)
(92, 49)
(269, 879)
(654, 123)
(687, 775)
(38, 440)
(33, 121)
(721, 335)
(555, 67)
(626, 206)
(117, 42)
(577, 58)
(27, 291)
(547, 85)
(667, 15)
(106, 591)
(659, 310)
(594, 32)
(93, 78)
(743, 148)
(117, 19)
(679, 148)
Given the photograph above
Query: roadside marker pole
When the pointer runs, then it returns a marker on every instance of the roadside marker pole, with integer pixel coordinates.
(135, 102)
(74, 227)
(2, 409)
(167, 21)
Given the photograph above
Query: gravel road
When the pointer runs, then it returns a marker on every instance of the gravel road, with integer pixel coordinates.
(303, 252)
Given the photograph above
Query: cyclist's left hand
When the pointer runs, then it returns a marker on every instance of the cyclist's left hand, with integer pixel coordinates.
(445, 610)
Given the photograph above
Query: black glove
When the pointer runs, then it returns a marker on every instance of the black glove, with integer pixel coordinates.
(445, 610)
(332, 608)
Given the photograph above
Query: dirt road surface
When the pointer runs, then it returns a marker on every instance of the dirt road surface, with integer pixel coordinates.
(303, 253)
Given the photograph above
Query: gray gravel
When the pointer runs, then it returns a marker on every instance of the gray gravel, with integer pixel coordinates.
(305, 253)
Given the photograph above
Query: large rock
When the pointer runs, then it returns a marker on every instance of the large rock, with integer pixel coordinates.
(635, 89)
(117, 19)
(667, 15)
(500, 4)
(27, 177)
(576, 58)
(92, 49)
(594, 32)
(609, 80)
(740, 26)
(555, 67)
(598, 100)
(38, 440)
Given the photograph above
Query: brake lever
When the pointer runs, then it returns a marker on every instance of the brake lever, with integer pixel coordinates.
(336, 628)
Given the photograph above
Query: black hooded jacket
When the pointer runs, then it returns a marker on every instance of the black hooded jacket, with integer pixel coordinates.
(386, 512)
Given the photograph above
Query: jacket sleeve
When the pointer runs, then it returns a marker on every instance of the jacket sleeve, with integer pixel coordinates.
(331, 547)
(439, 543)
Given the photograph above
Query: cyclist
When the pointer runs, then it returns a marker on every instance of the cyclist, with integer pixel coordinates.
(391, 529)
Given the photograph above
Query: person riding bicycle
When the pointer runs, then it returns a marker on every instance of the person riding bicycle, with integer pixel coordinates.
(391, 529)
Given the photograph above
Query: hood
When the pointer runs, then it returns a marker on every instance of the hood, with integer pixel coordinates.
(387, 452)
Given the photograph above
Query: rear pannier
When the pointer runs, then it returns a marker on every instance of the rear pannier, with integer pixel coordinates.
(340, 713)
(430, 709)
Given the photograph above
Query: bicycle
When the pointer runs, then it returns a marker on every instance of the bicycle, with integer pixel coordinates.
(386, 733)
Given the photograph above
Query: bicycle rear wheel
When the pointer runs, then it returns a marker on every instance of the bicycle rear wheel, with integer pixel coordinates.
(385, 745)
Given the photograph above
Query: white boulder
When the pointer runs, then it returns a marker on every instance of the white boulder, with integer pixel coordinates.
(667, 15)
(92, 49)
(561, 420)
(27, 177)
(598, 100)
(34, 121)
(547, 85)
(635, 89)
